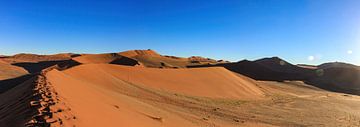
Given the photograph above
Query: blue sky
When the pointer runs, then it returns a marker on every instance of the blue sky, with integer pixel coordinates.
(300, 31)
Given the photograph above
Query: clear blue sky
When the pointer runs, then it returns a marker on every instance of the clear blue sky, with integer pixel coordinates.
(300, 31)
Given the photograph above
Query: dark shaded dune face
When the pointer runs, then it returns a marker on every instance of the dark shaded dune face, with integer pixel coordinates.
(15, 108)
(66, 64)
(125, 61)
(285, 69)
(38, 66)
(338, 79)
(277, 64)
(7, 84)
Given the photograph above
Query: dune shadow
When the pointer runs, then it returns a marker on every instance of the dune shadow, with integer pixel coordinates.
(338, 79)
(7, 84)
(125, 61)
(39, 66)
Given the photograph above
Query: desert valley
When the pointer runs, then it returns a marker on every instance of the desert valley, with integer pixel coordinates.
(142, 88)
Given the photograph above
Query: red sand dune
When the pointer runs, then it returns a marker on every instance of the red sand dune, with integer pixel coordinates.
(106, 87)
(150, 58)
(8, 71)
(92, 91)
(208, 82)
(14, 105)
(109, 58)
(96, 58)
(37, 58)
(133, 53)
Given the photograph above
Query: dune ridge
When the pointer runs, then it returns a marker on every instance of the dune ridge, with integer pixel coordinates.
(113, 90)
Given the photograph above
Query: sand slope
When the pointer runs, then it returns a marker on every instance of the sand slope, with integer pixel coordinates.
(8, 71)
(14, 105)
(108, 58)
(150, 58)
(207, 82)
(23, 57)
(110, 97)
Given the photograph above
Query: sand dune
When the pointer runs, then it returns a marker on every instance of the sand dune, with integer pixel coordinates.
(207, 82)
(23, 57)
(109, 58)
(280, 65)
(134, 53)
(107, 87)
(158, 97)
(8, 71)
(98, 90)
(272, 69)
(150, 58)
(338, 79)
(15, 108)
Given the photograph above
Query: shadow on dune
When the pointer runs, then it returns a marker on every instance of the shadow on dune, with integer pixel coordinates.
(125, 61)
(16, 95)
(7, 84)
(33, 69)
(37, 67)
(337, 79)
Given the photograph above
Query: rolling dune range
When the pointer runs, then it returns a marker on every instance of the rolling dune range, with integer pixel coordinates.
(136, 91)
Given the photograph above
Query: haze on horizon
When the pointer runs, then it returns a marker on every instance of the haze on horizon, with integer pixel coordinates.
(303, 31)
